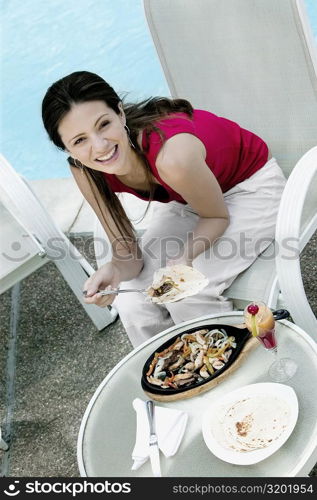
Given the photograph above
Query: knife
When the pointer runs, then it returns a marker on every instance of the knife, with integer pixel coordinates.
(153, 444)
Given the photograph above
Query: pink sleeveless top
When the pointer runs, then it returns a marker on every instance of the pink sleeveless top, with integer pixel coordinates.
(233, 153)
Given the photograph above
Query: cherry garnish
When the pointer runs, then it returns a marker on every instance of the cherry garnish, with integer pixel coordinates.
(253, 309)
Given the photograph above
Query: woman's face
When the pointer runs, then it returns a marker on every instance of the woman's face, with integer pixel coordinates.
(95, 135)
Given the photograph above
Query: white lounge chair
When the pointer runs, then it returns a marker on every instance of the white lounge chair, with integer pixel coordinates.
(30, 238)
(254, 61)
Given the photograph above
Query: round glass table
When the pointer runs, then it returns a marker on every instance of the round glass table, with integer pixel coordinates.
(107, 433)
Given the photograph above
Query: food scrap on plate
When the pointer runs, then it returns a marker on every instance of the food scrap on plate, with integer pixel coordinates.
(174, 283)
(253, 423)
(250, 423)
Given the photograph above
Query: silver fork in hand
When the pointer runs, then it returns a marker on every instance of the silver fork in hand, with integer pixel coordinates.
(115, 291)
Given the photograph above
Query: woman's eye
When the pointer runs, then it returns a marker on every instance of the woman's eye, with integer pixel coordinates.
(104, 124)
(78, 141)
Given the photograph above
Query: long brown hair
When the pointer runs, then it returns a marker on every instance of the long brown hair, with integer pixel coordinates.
(83, 86)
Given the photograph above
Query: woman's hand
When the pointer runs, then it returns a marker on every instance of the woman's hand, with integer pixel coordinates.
(107, 276)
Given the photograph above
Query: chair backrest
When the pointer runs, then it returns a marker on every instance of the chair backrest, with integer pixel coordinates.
(25, 217)
(22, 211)
(252, 61)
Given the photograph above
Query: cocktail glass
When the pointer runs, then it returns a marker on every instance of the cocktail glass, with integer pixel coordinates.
(260, 322)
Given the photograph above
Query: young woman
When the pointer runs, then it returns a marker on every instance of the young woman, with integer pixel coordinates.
(218, 188)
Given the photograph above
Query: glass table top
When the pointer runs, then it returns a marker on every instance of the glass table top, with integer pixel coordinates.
(107, 433)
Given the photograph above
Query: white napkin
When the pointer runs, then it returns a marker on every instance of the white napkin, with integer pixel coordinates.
(170, 427)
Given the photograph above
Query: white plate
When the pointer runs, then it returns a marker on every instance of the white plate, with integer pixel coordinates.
(211, 421)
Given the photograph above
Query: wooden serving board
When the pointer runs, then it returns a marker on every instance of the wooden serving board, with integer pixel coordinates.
(250, 344)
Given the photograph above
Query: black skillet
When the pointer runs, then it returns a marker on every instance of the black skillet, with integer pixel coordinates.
(242, 335)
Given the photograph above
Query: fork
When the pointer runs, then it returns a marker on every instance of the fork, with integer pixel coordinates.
(115, 291)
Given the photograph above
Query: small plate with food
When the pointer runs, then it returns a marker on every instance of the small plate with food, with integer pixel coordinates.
(251, 423)
(194, 361)
(174, 283)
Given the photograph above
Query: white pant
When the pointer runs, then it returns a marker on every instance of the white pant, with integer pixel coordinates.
(252, 206)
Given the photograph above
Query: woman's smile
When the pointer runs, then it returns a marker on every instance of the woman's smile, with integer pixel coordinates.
(112, 155)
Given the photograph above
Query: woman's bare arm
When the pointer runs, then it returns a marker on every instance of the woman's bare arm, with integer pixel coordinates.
(181, 164)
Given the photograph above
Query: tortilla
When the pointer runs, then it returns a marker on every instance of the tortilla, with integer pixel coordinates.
(253, 423)
(179, 281)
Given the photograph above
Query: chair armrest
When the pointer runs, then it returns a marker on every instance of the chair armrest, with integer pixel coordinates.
(291, 239)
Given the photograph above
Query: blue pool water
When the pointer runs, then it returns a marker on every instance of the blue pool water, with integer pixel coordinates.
(45, 40)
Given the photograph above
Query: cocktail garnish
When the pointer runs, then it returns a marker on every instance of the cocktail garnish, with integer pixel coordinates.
(253, 309)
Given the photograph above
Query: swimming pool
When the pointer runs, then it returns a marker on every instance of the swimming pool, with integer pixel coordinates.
(44, 41)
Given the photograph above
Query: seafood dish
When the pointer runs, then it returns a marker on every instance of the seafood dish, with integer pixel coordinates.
(193, 358)
(174, 283)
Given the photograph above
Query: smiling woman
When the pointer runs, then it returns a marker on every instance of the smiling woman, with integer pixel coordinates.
(215, 182)
(84, 116)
